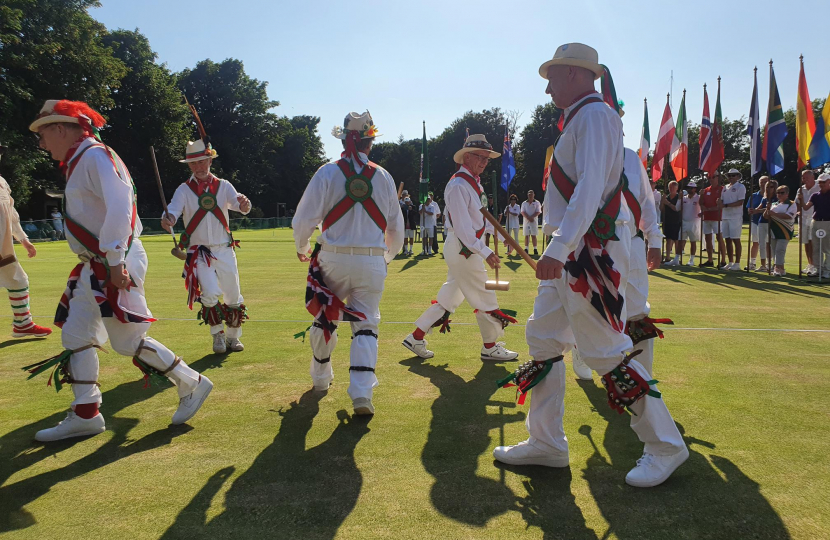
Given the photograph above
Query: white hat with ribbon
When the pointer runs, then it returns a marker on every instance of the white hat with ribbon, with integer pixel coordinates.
(473, 143)
(196, 151)
(574, 54)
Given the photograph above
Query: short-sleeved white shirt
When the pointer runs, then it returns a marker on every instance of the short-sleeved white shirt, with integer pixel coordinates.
(429, 220)
(531, 208)
(513, 213)
(732, 194)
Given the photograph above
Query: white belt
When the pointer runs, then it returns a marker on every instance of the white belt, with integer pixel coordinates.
(375, 252)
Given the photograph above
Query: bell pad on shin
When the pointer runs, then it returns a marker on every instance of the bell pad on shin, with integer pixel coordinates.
(625, 386)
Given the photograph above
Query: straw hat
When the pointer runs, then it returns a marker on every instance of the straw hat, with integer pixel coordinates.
(65, 111)
(356, 122)
(574, 54)
(473, 143)
(735, 171)
(196, 151)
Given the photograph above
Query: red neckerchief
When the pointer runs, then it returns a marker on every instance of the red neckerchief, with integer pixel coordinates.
(63, 165)
(204, 184)
(352, 138)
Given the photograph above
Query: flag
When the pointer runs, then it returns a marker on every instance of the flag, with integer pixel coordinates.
(680, 147)
(467, 136)
(424, 184)
(705, 139)
(665, 143)
(820, 149)
(775, 131)
(717, 137)
(508, 165)
(805, 124)
(645, 138)
(548, 163)
(753, 128)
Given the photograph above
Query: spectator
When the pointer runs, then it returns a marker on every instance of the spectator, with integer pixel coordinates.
(29, 227)
(670, 206)
(763, 224)
(733, 199)
(57, 222)
(513, 211)
(411, 218)
(820, 204)
(531, 209)
(755, 210)
(807, 189)
(781, 216)
(658, 200)
(429, 212)
(488, 227)
(439, 225)
(691, 221)
(710, 204)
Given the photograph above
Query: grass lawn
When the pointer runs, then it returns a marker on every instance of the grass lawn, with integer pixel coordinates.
(267, 458)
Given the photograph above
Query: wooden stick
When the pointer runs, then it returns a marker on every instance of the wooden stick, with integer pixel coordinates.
(509, 239)
(400, 190)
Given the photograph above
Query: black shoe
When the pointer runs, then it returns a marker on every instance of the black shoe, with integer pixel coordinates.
(535, 252)
(708, 263)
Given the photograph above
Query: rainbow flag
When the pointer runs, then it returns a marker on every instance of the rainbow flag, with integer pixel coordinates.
(805, 124)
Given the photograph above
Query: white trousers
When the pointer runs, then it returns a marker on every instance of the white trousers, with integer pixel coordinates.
(15, 280)
(636, 298)
(763, 239)
(562, 318)
(12, 276)
(221, 278)
(358, 281)
(465, 280)
(821, 257)
(85, 326)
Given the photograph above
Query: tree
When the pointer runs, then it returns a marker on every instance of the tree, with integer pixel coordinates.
(403, 161)
(48, 49)
(536, 137)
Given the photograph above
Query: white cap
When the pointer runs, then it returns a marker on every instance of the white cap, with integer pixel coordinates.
(823, 177)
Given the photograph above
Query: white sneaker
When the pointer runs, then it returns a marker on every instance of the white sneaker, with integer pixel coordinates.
(725, 266)
(581, 369)
(498, 353)
(763, 269)
(751, 267)
(691, 261)
(235, 345)
(653, 470)
(220, 346)
(363, 406)
(419, 347)
(528, 453)
(825, 275)
(809, 268)
(734, 266)
(814, 273)
(190, 404)
(72, 426)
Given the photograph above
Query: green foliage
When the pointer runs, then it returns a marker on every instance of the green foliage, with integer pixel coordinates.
(530, 151)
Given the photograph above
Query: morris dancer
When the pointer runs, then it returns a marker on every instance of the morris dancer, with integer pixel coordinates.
(105, 293)
(12, 276)
(210, 268)
(356, 205)
(465, 253)
(584, 272)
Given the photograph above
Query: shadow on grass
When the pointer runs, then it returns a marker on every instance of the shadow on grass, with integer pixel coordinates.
(18, 341)
(702, 499)
(19, 450)
(459, 433)
(289, 491)
(744, 280)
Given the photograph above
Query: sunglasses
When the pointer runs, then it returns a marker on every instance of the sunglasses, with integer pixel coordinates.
(781, 192)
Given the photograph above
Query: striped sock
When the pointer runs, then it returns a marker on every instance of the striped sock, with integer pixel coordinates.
(19, 300)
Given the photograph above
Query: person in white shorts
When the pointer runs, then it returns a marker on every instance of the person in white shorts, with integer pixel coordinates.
(733, 198)
(429, 212)
(691, 221)
(710, 205)
(531, 209)
(807, 189)
(513, 211)
(755, 209)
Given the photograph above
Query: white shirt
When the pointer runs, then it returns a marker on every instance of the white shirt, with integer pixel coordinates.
(429, 219)
(513, 213)
(786, 208)
(658, 198)
(210, 231)
(356, 228)
(531, 208)
(10, 214)
(807, 213)
(640, 187)
(56, 220)
(590, 152)
(102, 202)
(732, 194)
(691, 209)
(463, 207)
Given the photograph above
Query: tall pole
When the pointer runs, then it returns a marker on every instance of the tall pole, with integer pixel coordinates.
(680, 193)
(719, 237)
(769, 202)
(800, 192)
(662, 177)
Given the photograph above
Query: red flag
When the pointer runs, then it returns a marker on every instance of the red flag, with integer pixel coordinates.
(665, 138)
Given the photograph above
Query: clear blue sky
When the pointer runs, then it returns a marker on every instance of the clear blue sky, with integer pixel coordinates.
(433, 60)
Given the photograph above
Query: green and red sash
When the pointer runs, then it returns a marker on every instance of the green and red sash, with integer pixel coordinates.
(207, 204)
(633, 203)
(465, 251)
(358, 190)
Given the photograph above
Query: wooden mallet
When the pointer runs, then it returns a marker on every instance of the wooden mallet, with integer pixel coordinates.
(176, 251)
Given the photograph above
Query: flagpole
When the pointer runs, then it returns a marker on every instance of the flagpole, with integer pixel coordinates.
(680, 191)
(700, 198)
(800, 218)
(720, 210)
(662, 177)
(751, 165)
(769, 200)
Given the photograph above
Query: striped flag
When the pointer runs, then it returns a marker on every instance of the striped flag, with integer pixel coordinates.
(645, 137)
(805, 124)
(665, 143)
(705, 140)
(753, 128)
(775, 131)
(680, 145)
(820, 149)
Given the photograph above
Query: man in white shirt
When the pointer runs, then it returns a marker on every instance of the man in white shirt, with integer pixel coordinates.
(513, 211)
(578, 302)
(733, 199)
(429, 212)
(57, 223)
(104, 297)
(658, 200)
(531, 209)
(210, 269)
(807, 189)
(465, 254)
(355, 203)
(12, 276)
(691, 221)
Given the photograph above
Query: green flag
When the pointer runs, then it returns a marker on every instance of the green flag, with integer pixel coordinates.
(422, 195)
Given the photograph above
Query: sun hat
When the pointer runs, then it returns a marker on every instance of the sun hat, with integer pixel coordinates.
(64, 111)
(362, 123)
(473, 143)
(574, 54)
(196, 151)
